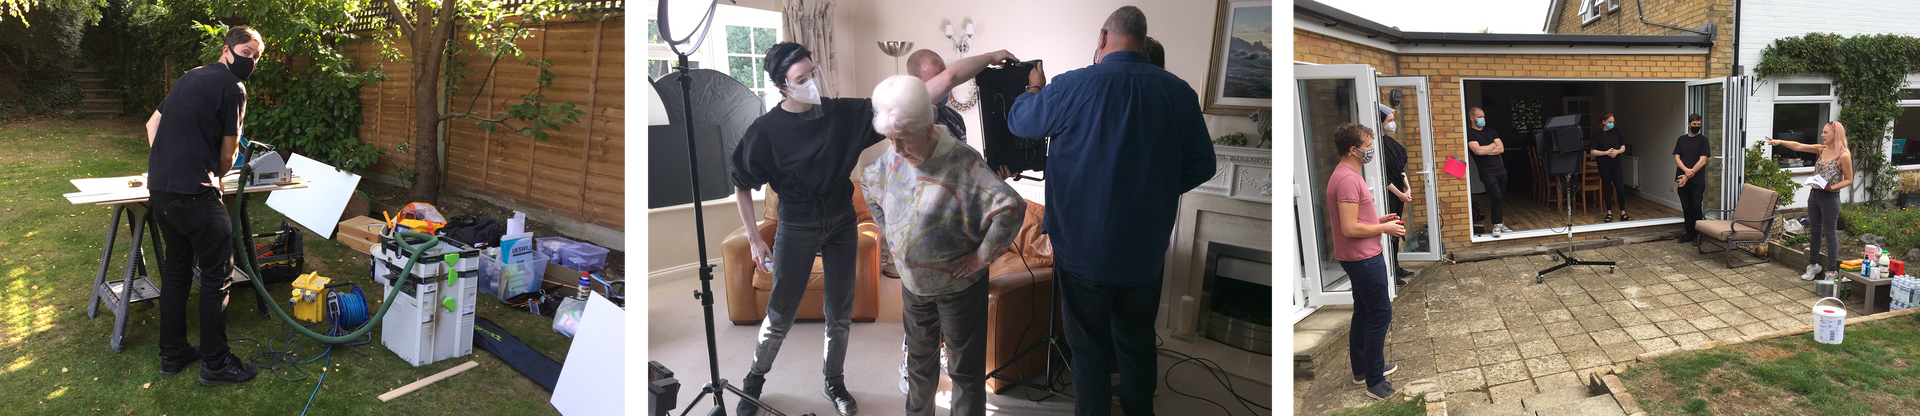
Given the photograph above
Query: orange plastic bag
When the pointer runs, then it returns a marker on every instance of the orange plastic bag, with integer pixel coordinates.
(420, 217)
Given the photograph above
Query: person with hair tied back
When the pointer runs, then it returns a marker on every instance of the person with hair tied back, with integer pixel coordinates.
(1835, 167)
(945, 216)
(804, 149)
(1356, 244)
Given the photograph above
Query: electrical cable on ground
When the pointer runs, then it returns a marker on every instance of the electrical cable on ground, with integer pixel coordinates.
(1214, 369)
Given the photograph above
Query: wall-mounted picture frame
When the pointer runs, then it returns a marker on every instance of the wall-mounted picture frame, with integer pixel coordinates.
(1240, 74)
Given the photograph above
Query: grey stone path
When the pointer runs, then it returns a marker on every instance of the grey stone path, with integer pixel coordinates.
(1488, 334)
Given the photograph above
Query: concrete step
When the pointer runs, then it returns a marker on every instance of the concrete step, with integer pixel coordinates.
(1602, 405)
(1496, 409)
(1556, 398)
(1313, 337)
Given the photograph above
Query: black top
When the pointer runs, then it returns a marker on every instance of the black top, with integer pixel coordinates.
(1608, 140)
(947, 116)
(1690, 149)
(809, 162)
(1395, 157)
(199, 112)
(1484, 137)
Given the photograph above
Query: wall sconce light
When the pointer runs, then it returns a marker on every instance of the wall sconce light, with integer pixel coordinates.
(962, 43)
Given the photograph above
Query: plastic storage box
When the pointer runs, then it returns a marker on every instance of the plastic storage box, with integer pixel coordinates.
(583, 257)
(504, 281)
(551, 247)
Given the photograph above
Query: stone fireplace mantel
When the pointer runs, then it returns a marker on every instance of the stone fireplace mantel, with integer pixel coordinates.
(1234, 208)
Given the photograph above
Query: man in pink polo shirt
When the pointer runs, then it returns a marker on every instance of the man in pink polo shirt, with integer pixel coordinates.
(1356, 244)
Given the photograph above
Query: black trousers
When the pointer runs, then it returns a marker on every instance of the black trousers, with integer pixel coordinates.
(198, 244)
(1690, 204)
(1109, 327)
(1495, 181)
(1611, 192)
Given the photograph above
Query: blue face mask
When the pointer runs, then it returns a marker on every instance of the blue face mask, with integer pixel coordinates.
(1609, 126)
(1480, 122)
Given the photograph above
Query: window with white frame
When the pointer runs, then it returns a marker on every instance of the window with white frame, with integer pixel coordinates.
(1590, 10)
(661, 62)
(1800, 110)
(736, 45)
(1904, 147)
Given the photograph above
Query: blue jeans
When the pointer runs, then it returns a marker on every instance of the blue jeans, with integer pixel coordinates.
(1109, 326)
(794, 245)
(1372, 313)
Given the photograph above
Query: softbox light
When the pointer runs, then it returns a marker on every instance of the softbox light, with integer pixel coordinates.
(722, 111)
(1559, 145)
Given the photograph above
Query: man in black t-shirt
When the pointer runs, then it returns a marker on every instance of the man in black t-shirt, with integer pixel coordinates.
(194, 136)
(1487, 148)
(1689, 159)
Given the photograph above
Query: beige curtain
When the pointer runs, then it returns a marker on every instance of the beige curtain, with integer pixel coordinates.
(810, 24)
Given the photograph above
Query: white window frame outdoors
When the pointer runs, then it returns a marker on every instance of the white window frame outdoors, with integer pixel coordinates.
(1613, 6)
(1589, 10)
(1913, 83)
(1832, 100)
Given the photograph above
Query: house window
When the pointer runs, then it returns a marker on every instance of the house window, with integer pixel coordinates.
(1590, 10)
(736, 43)
(1798, 122)
(1910, 94)
(1904, 150)
(1806, 90)
(746, 49)
(1613, 6)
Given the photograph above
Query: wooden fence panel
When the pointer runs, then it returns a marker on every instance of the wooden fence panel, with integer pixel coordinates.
(579, 172)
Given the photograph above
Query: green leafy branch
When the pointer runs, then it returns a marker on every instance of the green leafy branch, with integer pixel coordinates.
(1868, 72)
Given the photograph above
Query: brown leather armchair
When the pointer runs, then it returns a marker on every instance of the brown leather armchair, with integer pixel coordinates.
(1019, 295)
(747, 288)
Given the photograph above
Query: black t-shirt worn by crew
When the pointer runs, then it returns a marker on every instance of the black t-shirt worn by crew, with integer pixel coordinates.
(809, 163)
(1484, 137)
(1690, 149)
(1608, 140)
(199, 112)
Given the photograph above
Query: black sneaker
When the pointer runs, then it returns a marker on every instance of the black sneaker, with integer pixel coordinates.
(1380, 391)
(1686, 239)
(1403, 273)
(1389, 371)
(751, 385)
(174, 365)
(842, 400)
(232, 370)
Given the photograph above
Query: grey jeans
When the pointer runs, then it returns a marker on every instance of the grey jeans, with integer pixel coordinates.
(794, 245)
(960, 319)
(1823, 211)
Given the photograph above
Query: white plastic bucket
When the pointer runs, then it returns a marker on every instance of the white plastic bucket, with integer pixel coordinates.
(1830, 322)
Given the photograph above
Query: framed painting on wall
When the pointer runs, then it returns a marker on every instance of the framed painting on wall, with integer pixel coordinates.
(1240, 75)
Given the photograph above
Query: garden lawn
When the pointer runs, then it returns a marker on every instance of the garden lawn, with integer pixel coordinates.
(1396, 405)
(1873, 372)
(54, 360)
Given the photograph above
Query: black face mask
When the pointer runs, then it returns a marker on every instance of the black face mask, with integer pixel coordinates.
(242, 66)
(1693, 130)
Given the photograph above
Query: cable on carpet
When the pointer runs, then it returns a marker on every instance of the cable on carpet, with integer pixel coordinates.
(1214, 369)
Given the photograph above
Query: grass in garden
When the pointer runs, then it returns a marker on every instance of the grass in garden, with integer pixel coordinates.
(1398, 405)
(1872, 372)
(54, 360)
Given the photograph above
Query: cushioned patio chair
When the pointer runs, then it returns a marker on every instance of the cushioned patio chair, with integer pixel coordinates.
(1751, 222)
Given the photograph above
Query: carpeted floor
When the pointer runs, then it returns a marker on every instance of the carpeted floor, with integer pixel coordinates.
(676, 339)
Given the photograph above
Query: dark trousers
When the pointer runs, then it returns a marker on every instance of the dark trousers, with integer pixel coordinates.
(1372, 314)
(1495, 182)
(1611, 192)
(1690, 204)
(197, 238)
(795, 243)
(1823, 210)
(1110, 326)
(960, 319)
(1396, 207)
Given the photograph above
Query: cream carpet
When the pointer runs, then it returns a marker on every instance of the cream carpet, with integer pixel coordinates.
(677, 339)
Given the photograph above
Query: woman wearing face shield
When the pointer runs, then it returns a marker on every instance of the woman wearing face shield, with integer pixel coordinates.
(804, 148)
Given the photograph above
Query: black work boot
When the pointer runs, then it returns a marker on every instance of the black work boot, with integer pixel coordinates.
(841, 398)
(751, 384)
(174, 365)
(230, 370)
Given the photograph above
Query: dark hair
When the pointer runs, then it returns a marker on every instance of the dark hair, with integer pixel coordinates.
(1694, 117)
(1156, 54)
(240, 34)
(1602, 121)
(920, 58)
(780, 58)
(1350, 135)
(1127, 21)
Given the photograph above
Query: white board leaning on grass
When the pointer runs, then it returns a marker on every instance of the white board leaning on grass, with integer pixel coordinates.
(593, 380)
(318, 206)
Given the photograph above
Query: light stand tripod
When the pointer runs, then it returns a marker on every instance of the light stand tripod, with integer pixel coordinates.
(1053, 344)
(1567, 188)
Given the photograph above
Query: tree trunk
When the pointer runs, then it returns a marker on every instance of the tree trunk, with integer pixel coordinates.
(429, 40)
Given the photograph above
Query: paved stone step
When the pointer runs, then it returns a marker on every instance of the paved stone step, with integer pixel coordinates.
(1555, 398)
(1602, 405)
(1313, 336)
(1496, 409)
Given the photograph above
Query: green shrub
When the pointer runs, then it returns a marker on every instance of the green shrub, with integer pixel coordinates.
(1764, 172)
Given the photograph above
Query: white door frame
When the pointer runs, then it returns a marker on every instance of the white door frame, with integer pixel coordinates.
(1425, 175)
(1314, 271)
(1731, 152)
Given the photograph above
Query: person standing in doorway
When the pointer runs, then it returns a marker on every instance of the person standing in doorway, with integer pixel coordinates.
(1356, 244)
(1690, 154)
(1487, 148)
(1607, 147)
(1835, 167)
(1395, 157)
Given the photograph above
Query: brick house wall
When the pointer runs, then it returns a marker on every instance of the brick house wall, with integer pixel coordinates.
(1444, 73)
(1681, 13)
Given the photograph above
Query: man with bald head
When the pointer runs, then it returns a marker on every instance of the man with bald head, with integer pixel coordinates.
(926, 65)
(1128, 140)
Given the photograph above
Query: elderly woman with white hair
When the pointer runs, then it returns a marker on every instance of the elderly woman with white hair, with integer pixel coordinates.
(945, 216)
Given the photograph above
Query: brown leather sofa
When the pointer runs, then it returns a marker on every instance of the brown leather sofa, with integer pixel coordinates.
(1019, 296)
(747, 289)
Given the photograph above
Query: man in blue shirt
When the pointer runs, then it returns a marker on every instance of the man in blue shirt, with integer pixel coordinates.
(1128, 139)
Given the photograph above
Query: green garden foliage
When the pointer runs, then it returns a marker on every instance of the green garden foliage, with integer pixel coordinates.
(1868, 71)
(1766, 173)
